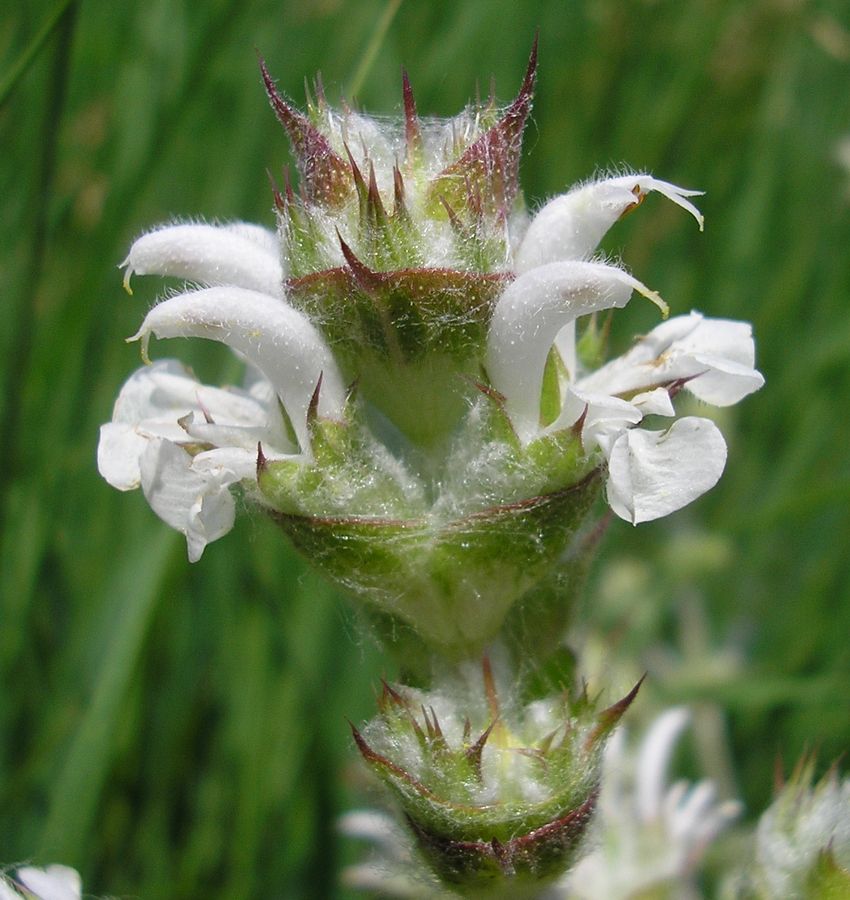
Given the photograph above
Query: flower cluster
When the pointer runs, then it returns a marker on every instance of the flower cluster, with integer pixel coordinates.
(497, 794)
(417, 412)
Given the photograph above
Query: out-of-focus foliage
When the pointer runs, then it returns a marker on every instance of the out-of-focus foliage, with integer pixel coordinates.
(179, 732)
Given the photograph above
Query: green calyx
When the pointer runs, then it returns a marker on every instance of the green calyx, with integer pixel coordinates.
(448, 555)
(412, 338)
(497, 800)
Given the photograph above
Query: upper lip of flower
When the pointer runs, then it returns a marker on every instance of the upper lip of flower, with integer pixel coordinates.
(280, 341)
(529, 316)
(571, 225)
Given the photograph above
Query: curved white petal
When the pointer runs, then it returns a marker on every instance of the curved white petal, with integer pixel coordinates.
(565, 344)
(276, 338)
(162, 390)
(654, 473)
(209, 254)
(159, 394)
(726, 351)
(242, 437)
(52, 883)
(150, 403)
(196, 503)
(264, 238)
(375, 826)
(691, 815)
(716, 356)
(530, 313)
(572, 225)
(647, 838)
(656, 750)
(231, 464)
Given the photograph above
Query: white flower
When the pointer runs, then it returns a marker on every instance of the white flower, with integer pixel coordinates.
(647, 834)
(572, 225)
(801, 824)
(186, 443)
(53, 883)
(237, 254)
(651, 473)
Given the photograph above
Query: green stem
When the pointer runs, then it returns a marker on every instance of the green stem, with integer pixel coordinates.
(373, 47)
(83, 772)
(23, 62)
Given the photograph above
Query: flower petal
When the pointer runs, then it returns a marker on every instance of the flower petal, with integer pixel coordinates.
(264, 238)
(164, 400)
(572, 225)
(716, 356)
(208, 254)
(528, 316)
(565, 344)
(239, 462)
(197, 504)
(654, 473)
(52, 883)
(726, 351)
(654, 761)
(240, 437)
(605, 418)
(277, 339)
(689, 814)
(149, 404)
(654, 403)
(164, 391)
(118, 452)
(157, 395)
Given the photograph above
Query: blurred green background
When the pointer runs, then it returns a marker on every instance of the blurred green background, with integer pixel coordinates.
(179, 732)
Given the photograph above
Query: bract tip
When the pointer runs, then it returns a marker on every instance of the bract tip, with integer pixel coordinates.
(412, 132)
